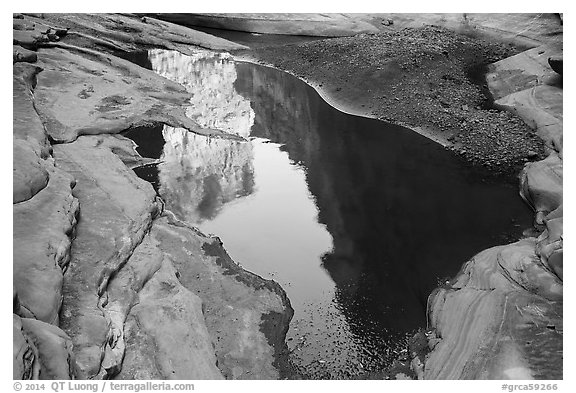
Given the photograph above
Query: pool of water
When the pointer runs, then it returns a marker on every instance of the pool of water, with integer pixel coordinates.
(357, 219)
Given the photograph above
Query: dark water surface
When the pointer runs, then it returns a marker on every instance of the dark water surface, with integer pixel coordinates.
(357, 219)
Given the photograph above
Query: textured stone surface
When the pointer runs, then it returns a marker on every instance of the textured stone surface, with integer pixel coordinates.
(526, 85)
(541, 185)
(130, 32)
(324, 25)
(28, 173)
(246, 316)
(41, 351)
(124, 311)
(166, 336)
(550, 243)
(502, 318)
(42, 228)
(27, 125)
(122, 295)
(25, 355)
(541, 107)
(522, 29)
(494, 318)
(108, 95)
(523, 71)
(125, 150)
(116, 210)
(22, 54)
(55, 358)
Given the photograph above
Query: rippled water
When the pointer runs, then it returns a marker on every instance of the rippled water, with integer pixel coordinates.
(358, 220)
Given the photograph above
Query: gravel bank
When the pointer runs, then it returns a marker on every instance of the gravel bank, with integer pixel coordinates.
(429, 79)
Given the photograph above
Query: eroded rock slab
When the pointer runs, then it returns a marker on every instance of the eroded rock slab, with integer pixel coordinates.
(497, 319)
(117, 209)
(541, 185)
(323, 25)
(523, 71)
(166, 336)
(131, 32)
(225, 313)
(122, 295)
(41, 351)
(28, 173)
(550, 244)
(27, 125)
(22, 54)
(42, 228)
(55, 357)
(541, 107)
(108, 95)
(125, 149)
(247, 317)
(24, 353)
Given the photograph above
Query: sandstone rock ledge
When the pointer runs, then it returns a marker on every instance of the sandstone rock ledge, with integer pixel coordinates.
(106, 284)
(502, 316)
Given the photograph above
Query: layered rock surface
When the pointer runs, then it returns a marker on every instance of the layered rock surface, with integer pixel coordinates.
(323, 25)
(41, 351)
(498, 319)
(526, 85)
(116, 210)
(247, 316)
(164, 329)
(44, 214)
(119, 32)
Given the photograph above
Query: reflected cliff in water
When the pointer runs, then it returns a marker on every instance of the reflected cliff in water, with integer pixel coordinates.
(198, 175)
(357, 219)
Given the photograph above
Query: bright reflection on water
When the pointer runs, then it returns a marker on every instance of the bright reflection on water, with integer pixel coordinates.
(355, 218)
(249, 194)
